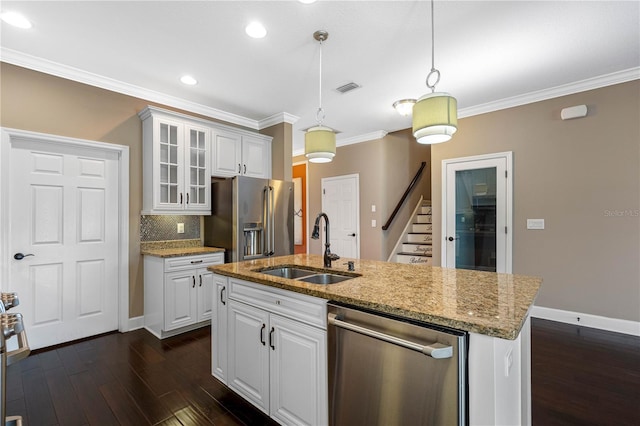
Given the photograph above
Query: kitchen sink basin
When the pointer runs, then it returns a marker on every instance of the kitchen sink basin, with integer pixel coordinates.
(325, 278)
(288, 272)
(311, 276)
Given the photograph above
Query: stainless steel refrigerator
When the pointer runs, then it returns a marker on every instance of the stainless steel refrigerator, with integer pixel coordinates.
(250, 218)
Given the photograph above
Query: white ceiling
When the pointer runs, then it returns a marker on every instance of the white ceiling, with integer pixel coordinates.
(491, 54)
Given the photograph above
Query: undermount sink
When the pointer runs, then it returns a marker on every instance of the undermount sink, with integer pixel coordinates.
(288, 272)
(306, 275)
(325, 279)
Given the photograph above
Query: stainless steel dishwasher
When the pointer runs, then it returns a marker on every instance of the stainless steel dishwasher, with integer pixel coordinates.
(388, 371)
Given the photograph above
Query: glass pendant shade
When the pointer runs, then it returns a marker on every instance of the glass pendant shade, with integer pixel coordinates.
(320, 144)
(435, 118)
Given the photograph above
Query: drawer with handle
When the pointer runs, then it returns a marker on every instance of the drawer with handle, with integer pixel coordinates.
(187, 262)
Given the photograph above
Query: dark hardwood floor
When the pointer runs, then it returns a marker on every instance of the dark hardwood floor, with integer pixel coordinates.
(583, 376)
(580, 376)
(126, 379)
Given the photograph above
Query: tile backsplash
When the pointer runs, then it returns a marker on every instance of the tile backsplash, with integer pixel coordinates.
(165, 227)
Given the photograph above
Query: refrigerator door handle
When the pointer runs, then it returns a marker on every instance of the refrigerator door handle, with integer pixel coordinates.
(272, 224)
(265, 220)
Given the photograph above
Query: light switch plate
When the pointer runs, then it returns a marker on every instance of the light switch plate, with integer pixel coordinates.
(373, 223)
(180, 228)
(535, 223)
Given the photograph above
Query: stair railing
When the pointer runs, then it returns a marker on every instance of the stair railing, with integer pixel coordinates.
(404, 196)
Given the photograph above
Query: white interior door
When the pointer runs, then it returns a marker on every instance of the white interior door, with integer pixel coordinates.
(341, 202)
(64, 206)
(477, 202)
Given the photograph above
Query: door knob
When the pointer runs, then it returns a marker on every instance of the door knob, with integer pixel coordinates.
(351, 235)
(452, 238)
(20, 256)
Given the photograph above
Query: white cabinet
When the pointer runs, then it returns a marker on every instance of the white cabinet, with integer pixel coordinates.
(178, 292)
(240, 153)
(219, 328)
(276, 351)
(176, 164)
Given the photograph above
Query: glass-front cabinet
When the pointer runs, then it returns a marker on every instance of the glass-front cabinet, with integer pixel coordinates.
(198, 173)
(176, 163)
(169, 164)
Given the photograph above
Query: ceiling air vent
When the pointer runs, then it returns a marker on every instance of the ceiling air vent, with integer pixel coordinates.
(348, 87)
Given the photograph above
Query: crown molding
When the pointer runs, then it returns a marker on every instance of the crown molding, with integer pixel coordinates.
(282, 117)
(553, 92)
(70, 73)
(378, 134)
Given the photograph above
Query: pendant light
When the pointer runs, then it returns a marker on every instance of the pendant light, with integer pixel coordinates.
(320, 141)
(435, 115)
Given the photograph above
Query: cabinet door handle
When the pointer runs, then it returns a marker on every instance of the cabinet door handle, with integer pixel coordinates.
(196, 261)
(239, 169)
(194, 281)
(262, 335)
(181, 198)
(221, 297)
(245, 169)
(200, 276)
(271, 338)
(187, 198)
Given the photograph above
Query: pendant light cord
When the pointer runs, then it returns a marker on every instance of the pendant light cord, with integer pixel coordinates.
(320, 113)
(434, 71)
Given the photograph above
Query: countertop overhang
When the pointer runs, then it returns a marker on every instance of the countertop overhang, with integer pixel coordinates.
(180, 251)
(487, 303)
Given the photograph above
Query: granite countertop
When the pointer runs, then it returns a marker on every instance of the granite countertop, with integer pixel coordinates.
(176, 248)
(486, 303)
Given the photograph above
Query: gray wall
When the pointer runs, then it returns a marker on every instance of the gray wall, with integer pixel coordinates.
(583, 177)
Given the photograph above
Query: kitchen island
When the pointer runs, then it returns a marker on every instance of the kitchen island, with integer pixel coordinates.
(493, 308)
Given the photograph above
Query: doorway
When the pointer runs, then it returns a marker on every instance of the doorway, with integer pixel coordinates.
(64, 228)
(477, 217)
(341, 202)
(300, 208)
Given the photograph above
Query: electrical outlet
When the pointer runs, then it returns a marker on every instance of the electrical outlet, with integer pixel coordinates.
(373, 208)
(181, 228)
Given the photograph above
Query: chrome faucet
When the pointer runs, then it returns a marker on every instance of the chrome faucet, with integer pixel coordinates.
(328, 256)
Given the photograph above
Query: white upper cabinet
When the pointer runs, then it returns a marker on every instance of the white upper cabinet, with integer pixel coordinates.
(176, 164)
(181, 153)
(241, 153)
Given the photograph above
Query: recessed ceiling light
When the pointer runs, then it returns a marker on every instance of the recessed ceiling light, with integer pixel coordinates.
(307, 1)
(188, 80)
(404, 106)
(256, 30)
(16, 19)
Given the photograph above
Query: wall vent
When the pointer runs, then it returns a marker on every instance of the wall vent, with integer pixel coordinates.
(348, 87)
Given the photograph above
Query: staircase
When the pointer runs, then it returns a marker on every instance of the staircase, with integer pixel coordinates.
(414, 246)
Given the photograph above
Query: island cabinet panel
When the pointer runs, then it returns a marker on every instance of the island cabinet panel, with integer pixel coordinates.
(178, 293)
(276, 353)
(248, 353)
(298, 373)
(219, 328)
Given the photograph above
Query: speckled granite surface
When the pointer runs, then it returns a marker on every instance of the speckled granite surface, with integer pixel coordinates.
(175, 248)
(480, 302)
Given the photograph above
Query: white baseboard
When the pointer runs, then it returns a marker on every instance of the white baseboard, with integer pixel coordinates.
(135, 323)
(587, 320)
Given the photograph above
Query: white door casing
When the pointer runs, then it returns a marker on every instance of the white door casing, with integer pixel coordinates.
(341, 202)
(503, 163)
(66, 202)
